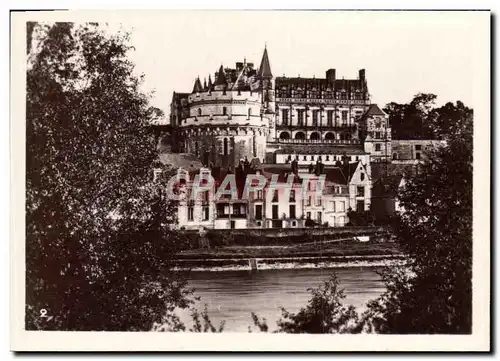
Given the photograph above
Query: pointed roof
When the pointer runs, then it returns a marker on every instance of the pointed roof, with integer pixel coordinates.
(221, 77)
(265, 66)
(197, 86)
(375, 110)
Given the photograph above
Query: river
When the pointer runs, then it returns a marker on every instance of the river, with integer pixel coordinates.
(233, 295)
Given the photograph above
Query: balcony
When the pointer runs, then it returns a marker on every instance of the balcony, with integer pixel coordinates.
(334, 127)
(314, 141)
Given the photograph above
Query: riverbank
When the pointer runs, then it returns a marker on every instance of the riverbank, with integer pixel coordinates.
(329, 254)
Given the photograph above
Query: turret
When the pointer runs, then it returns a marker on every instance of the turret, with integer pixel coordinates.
(220, 80)
(197, 88)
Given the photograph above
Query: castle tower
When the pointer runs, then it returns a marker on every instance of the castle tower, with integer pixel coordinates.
(266, 79)
(223, 122)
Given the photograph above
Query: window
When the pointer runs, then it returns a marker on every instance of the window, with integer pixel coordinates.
(341, 206)
(225, 146)
(309, 200)
(275, 195)
(362, 176)
(308, 215)
(305, 157)
(284, 118)
(418, 147)
(249, 113)
(206, 213)
(190, 213)
(297, 157)
(318, 201)
(378, 147)
(199, 111)
(292, 211)
(319, 217)
(275, 211)
(360, 206)
(315, 117)
(259, 223)
(294, 224)
(233, 224)
(360, 191)
(418, 156)
(333, 206)
(344, 116)
(292, 196)
(377, 135)
(312, 157)
(394, 156)
(300, 116)
(224, 111)
(329, 115)
(259, 194)
(258, 211)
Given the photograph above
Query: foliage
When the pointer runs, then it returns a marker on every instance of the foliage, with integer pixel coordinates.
(434, 294)
(324, 312)
(98, 239)
(412, 120)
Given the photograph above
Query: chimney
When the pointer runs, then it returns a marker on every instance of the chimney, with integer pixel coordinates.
(362, 75)
(345, 159)
(330, 76)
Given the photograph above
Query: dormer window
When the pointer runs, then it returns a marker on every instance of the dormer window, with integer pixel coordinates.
(199, 111)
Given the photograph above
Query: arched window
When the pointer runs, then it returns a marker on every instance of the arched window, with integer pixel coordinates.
(394, 156)
(362, 176)
(299, 135)
(314, 136)
(225, 146)
(224, 111)
(199, 111)
(284, 135)
(329, 136)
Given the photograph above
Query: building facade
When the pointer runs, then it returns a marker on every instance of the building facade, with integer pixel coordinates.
(277, 126)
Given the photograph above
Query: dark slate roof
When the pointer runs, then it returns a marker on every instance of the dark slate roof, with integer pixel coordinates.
(335, 175)
(383, 170)
(374, 110)
(184, 160)
(318, 83)
(197, 86)
(221, 77)
(265, 66)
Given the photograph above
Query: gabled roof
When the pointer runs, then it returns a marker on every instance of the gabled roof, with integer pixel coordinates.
(375, 110)
(265, 66)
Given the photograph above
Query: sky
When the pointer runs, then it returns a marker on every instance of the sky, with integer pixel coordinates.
(404, 53)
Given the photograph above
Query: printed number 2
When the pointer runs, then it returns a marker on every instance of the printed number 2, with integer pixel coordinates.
(43, 312)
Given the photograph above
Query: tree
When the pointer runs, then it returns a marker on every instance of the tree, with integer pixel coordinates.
(99, 245)
(412, 121)
(433, 294)
(324, 313)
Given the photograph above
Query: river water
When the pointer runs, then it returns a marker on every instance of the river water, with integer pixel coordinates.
(233, 295)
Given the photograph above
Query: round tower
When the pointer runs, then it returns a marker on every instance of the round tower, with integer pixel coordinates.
(224, 121)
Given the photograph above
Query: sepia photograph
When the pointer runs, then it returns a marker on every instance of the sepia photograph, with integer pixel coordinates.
(220, 180)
